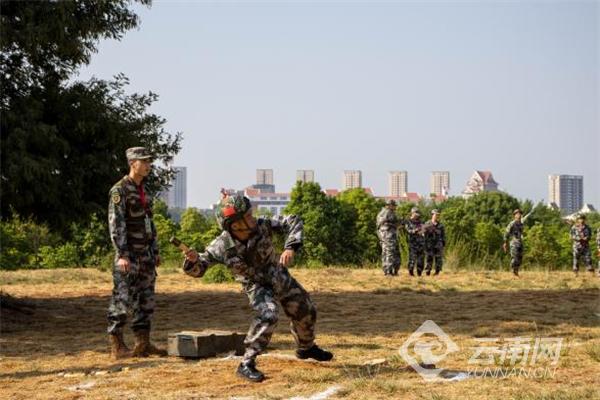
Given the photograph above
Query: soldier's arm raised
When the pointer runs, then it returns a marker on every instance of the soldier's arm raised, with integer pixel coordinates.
(292, 227)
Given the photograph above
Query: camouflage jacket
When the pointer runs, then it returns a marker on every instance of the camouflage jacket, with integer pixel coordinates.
(250, 261)
(581, 235)
(598, 238)
(435, 235)
(130, 223)
(414, 228)
(387, 220)
(514, 232)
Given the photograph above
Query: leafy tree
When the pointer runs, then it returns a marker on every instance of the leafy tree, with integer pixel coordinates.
(92, 241)
(63, 143)
(367, 207)
(44, 42)
(329, 233)
(160, 208)
(196, 230)
(494, 207)
(542, 245)
(165, 229)
(488, 239)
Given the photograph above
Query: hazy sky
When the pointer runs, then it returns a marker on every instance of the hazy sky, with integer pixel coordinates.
(511, 87)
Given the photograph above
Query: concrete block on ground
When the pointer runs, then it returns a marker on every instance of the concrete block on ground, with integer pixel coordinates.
(207, 343)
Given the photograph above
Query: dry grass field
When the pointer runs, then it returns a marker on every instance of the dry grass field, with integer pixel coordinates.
(60, 351)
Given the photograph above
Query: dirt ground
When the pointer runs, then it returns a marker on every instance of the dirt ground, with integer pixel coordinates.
(60, 350)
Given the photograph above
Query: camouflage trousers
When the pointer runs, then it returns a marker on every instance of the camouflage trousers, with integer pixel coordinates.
(296, 304)
(584, 254)
(390, 252)
(135, 291)
(416, 257)
(516, 254)
(434, 254)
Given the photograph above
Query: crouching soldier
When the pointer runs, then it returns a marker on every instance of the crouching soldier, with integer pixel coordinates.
(245, 246)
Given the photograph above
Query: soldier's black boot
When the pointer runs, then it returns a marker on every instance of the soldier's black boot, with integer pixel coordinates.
(411, 273)
(315, 352)
(515, 272)
(248, 371)
(437, 272)
(428, 272)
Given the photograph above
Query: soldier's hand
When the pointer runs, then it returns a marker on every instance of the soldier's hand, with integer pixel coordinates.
(157, 261)
(504, 247)
(286, 257)
(191, 255)
(124, 265)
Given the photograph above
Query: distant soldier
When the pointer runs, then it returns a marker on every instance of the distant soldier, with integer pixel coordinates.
(435, 241)
(581, 233)
(416, 242)
(133, 235)
(598, 249)
(514, 236)
(387, 231)
(246, 247)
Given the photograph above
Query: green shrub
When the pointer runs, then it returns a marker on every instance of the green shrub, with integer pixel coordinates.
(64, 256)
(218, 274)
(20, 242)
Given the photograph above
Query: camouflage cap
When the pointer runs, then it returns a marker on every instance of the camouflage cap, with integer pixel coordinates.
(415, 210)
(580, 216)
(137, 153)
(435, 211)
(232, 208)
(390, 202)
(517, 211)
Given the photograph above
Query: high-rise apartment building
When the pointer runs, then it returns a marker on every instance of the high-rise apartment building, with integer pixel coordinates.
(398, 183)
(440, 183)
(566, 192)
(352, 179)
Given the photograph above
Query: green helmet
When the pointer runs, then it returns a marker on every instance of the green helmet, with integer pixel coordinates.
(232, 208)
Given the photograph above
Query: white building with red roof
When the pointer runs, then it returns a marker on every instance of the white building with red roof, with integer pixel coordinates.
(480, 181)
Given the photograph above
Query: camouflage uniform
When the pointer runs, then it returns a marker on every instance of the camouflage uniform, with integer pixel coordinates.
(581, 235)
(265, 281)
(435, 241)
(598, 248)
(416, 245)
(133, 235)
(387, 231)
(514, 236)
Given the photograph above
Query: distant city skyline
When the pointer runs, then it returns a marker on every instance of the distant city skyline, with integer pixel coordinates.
(569, 198)
(510, 87)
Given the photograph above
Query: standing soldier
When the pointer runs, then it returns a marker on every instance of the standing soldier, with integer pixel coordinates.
(416, 242)
(514, 235)
(246, 247)
(598, 249)
(435, 241)
(581, 233)
(133, 236)
(387, 231)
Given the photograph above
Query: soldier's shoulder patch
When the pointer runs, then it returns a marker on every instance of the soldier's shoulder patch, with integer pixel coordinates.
(116, 198)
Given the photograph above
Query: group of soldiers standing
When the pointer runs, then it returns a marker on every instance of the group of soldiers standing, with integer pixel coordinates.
(426, 241)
